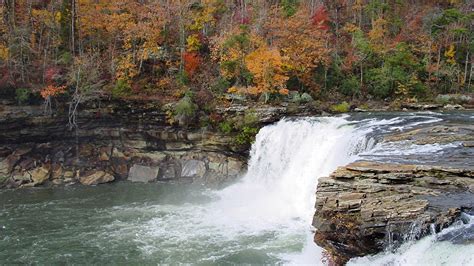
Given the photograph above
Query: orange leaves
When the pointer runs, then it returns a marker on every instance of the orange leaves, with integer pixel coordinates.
(192, 60)
(304, 45)
(266, 64)
(284, 91)
(51, 91)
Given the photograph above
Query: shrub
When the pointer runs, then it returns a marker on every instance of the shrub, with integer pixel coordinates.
(246, 135)
(306, 98)
(225, 127)
(453, 98)
(343, 107)
(22, 95)
(121, 89)
(185, 107)
(350, 86)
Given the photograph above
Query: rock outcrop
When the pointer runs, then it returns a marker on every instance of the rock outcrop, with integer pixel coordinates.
(113, 136)
(365, 207)
(40, 150)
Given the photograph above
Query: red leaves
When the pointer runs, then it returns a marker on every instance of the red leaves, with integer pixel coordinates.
(321, 18)
(51, 74)
(192, 60)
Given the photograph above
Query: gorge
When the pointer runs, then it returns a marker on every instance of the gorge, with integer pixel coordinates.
(379, 180)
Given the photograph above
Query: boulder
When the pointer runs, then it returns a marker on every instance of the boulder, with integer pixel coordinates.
(453, 107)
(144, 174)
(7, 164)
(40, 175)
(96, 178)
(193, 168)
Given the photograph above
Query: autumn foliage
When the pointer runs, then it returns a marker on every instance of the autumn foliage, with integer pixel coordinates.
(51, 91)
(191, 62)
(160, 50)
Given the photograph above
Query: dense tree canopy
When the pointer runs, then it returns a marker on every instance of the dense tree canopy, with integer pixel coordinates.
(162, 49)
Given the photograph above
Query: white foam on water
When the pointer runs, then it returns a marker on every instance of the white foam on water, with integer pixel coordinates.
(408, 148)
(427, 251)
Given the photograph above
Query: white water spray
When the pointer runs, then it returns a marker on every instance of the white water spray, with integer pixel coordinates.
(278, 191)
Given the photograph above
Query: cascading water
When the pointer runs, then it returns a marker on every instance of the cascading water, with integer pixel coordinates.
(278, 191)
(285, 163)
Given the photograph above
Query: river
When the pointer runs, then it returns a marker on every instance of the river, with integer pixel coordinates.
(264, 218)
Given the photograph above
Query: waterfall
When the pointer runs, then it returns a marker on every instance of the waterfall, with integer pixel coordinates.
(286, 160)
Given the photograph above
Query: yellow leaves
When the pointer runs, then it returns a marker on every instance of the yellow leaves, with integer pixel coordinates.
(450, 54)
(126, 69)
(206, 14)
(193, 43)
(57, 17)
(233, 89)
(4, 53)
(377, 35)
(303, 45)
(350, 28)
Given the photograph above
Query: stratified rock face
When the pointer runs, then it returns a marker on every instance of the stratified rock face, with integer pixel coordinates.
(115, 138)
(143, 174)
(364, 207)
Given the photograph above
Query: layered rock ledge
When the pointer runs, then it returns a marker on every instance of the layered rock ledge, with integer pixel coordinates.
(120, 141)
(365, 207)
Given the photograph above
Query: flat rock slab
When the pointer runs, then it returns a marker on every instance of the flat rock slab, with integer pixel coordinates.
(143, 174)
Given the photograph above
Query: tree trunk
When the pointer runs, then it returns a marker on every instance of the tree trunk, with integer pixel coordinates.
(465, 67)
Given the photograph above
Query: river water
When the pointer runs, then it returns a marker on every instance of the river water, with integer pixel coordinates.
(264, 218)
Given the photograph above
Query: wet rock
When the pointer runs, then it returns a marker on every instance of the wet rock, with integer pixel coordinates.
(440, 134)
(463, 235)
(170, 170)
(7, 164)
(143, 174)
(193, 168)
(125, 134)
(363, 205)
(96, 178)
(39, 175)
(468, 144)
(417, 106)
(453, 107)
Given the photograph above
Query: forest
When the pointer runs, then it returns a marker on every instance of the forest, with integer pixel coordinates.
(207, 52)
